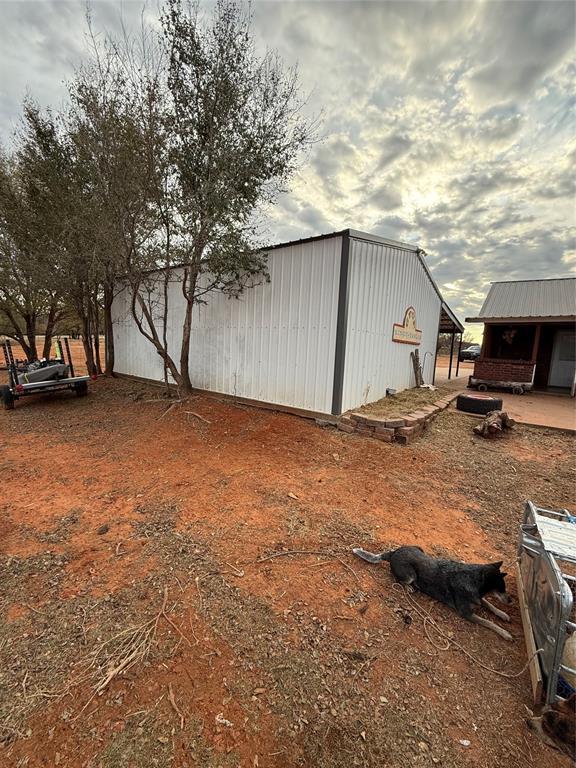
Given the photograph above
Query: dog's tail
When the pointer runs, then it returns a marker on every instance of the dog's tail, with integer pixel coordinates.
(370, 557)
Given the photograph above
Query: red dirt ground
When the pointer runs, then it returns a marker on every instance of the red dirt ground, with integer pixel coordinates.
(316, 661)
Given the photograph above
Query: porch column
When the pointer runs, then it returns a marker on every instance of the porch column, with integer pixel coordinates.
(459, 350)
(486, 339)
(451, 356)
(536, 344)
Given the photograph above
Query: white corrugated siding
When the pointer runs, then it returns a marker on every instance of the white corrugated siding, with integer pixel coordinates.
(383, 282)
(276, 343)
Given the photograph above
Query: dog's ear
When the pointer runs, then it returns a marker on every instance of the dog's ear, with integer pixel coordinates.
(497, 565)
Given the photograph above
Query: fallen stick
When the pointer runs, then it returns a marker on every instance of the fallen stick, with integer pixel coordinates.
(293, 552)
(31, 608)
(168, 409)
(175, 706)
(236, 571)
(310, 552)
(179, 631)
(193, 413)
(197, 580)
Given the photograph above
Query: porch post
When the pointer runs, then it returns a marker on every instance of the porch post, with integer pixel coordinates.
(458, 359)
(451, 356)
(486, 338)
(536, 343)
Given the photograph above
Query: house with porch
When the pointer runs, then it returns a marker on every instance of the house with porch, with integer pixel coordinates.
(529, 335)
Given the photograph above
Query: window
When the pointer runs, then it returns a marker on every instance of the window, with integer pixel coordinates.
(511, 342)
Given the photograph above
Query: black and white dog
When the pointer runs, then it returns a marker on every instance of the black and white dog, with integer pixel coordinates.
(459, 585)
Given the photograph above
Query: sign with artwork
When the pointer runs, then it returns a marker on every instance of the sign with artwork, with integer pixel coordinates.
(407, 333)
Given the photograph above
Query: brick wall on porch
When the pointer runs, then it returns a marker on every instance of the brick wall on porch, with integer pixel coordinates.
(492, 369)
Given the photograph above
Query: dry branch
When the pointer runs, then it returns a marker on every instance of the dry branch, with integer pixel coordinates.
(168, 409)
(197, 415)
(175, 706)
(120, 653)
(309, 552)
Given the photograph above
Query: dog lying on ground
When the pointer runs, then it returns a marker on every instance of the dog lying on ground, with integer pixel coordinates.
(556, 726)
(458, 585)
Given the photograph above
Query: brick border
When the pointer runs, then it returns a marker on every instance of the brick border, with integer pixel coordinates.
(401, 429)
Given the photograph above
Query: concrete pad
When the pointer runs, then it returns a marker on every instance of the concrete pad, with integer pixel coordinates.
(541, 409)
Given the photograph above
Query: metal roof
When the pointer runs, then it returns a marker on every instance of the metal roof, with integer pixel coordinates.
(529, 299)
(449, 323)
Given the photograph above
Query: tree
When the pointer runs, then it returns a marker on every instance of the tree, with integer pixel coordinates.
(171, 144)
(30, 228)
(233, 130)
(114, 126)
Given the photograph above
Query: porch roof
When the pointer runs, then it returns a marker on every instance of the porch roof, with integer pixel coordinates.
(552, 300)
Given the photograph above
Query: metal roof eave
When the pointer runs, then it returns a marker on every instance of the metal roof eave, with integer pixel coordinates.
(524, 319)
(451, 316)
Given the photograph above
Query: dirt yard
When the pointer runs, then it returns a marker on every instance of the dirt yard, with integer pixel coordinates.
(145, 623)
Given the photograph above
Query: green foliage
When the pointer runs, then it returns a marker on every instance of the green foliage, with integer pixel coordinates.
(235, 133)
(31, 228)
(169, 147)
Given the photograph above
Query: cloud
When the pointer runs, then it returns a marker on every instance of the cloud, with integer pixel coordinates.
(499, 123)
(482, 181)
(385, 197)
(446, 124)
(521, 42)
(393, 147)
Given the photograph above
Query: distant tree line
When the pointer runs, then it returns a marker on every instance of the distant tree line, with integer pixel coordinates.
(170, 144)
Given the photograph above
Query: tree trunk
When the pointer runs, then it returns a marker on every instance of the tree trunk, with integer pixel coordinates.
(108, 331)
(95, 311)
(151, 334)
(50, 323)
(17, 333)
(87, 344)
(30, 321)
(185, 381)
(25, 348)
(97, 360)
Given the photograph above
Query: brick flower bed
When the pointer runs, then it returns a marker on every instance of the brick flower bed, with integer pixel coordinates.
(394, 429)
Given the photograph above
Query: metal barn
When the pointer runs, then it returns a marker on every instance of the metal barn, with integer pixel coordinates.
(332, 330)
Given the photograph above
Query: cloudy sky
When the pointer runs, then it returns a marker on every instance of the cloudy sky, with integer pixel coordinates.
(447, 124)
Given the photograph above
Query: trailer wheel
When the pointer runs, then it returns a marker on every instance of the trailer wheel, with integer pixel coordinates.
(480, 404)
(7, 398)
(517, 390)
(81, 388)
(482, 387)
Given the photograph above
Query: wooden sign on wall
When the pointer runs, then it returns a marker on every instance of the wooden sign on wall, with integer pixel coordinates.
(407, 333)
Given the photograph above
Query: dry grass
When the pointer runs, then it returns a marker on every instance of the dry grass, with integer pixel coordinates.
(496, 479)
(404, 402)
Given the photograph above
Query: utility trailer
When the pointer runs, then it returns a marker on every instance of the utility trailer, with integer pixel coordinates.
(33, 377)
(545, 570)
